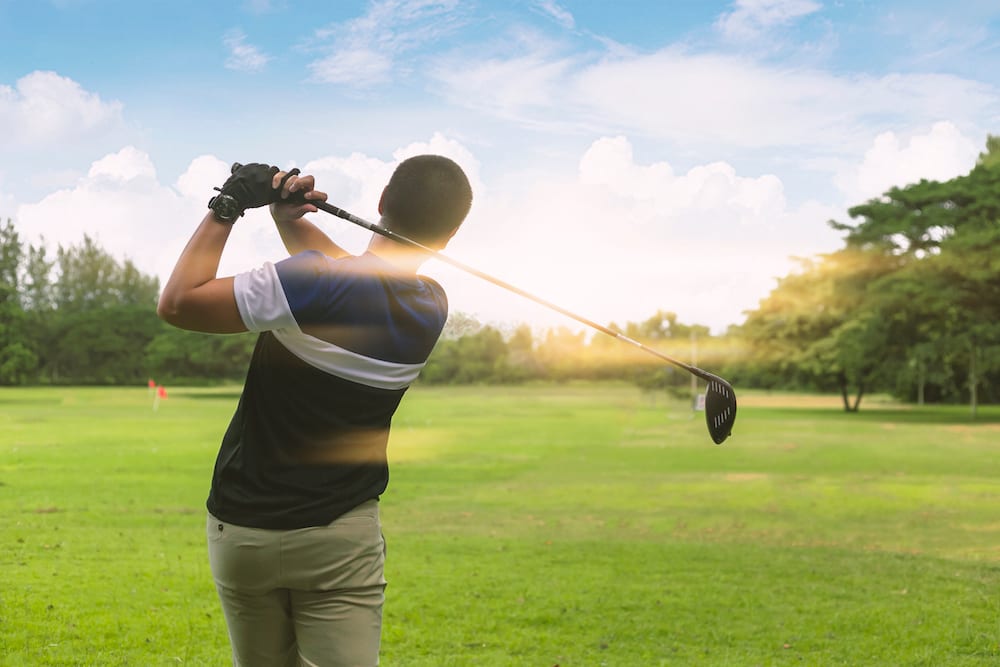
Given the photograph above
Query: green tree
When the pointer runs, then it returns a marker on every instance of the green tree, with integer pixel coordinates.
(174, 355)
(990, 158)
(472, 358)
(17, 361)
(562, 354)
(521, 363)
(102, 345)
(91, 316)
(911, 303)
(460, 324)
(17, 364)
(941, 303)
(37, 289)
(89, 277)
(11, 253)
(818, 328)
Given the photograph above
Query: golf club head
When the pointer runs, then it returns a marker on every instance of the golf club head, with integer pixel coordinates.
(720, 408)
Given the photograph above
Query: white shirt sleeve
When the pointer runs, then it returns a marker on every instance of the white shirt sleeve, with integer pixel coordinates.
(261, 300)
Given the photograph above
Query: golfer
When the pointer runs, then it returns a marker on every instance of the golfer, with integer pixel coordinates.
(294, 539)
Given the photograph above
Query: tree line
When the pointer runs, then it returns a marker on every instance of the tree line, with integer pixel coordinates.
(471, 352)
(909, 305)
(84, 317)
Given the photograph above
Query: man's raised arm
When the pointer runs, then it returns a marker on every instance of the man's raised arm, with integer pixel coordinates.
(296, 232)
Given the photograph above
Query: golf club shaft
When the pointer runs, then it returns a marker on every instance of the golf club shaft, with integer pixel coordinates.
(388, 233)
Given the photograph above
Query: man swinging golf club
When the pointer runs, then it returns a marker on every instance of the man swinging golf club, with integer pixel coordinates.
(295, 544)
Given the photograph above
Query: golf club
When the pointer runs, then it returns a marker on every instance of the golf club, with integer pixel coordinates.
(720, 398)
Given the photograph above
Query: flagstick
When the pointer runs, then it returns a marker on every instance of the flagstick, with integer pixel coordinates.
(161, 392)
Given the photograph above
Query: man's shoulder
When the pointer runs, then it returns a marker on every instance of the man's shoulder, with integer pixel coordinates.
(306, 258)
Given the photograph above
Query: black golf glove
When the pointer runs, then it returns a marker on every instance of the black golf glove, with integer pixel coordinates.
(250, 186)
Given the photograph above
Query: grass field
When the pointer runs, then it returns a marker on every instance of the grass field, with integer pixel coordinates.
(570, 526)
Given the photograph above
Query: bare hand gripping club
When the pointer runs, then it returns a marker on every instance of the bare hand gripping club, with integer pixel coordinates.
(720, 398)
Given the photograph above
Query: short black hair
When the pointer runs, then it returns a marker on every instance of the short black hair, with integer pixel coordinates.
(426, 199)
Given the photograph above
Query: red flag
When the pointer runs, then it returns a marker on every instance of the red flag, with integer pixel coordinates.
(152, 385)
(161, 392)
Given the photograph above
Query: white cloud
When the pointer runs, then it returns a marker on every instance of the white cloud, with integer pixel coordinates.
(365, 51)
(119, 204)
(44, 108)
(126, 165)
(523, 88)
(7, 206)
(615, 240)
(736, 103)
(709, 188)
(750, 18)
(358, 65)
(122, 205)
(712, 100)
(940, 154)
(204, 173)
(562, 16)
(619, 240)
(242, 56)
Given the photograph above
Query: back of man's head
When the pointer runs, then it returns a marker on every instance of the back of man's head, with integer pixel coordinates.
(426, 199)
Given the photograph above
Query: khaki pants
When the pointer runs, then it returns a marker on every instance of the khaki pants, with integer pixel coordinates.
(310, 597)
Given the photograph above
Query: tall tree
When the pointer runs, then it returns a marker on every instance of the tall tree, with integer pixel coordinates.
(89, 277)
(11, 254)
(37, 289)
(17, 361)
(815, 328)
(944, 236)
(990, 158)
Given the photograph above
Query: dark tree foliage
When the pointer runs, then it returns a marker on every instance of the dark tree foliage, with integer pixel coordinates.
(185, 357)
(17, 360)
(85, 317)
(910, 305)
(471, 358)
(101, 345)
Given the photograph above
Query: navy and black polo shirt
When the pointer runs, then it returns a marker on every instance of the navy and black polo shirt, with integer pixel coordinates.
(341, 340)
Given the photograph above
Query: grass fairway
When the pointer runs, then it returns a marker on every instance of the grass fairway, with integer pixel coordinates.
(570, 526)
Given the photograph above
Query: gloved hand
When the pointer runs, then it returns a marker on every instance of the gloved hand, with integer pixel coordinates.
(251, 185)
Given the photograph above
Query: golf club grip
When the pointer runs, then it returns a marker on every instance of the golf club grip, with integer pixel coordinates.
(341, 213)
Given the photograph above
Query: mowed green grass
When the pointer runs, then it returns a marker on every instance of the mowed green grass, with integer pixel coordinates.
(546, 525)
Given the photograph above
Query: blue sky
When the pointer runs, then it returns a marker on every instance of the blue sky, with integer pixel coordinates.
(627, 156)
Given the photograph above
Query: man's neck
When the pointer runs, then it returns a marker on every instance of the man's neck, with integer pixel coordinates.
(404, 258)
